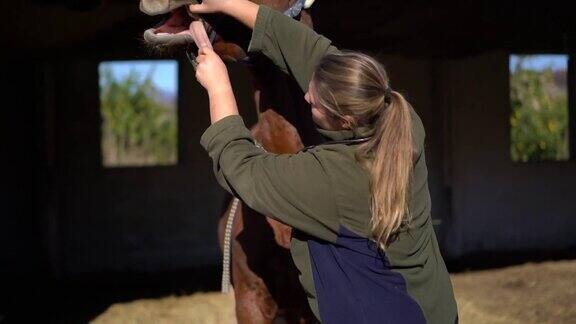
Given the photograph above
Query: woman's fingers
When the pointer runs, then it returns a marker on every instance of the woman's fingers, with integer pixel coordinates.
(201, 8)
(199, 34)
(204, 55)
(211, 71)
(205, 50)
(197, 8)
(208, 6)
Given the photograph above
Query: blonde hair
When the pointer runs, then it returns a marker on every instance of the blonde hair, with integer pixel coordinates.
(356, 85)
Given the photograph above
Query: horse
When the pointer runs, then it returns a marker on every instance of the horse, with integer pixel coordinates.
(265, 280)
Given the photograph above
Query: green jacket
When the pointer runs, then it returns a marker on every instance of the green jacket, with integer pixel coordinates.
(318, 191)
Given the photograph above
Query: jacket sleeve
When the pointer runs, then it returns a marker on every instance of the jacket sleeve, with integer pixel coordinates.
(294, 47)
(292, 188)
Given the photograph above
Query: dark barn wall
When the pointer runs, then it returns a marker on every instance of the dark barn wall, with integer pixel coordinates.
(148, 219)
(499, 205)
(20, 232)
(485, 202)
(64, 214)
(133, 219)
(482, 201)
(71, 229)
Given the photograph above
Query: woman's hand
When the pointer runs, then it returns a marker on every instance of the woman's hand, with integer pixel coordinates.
(208, 6)
(213, 75)
(243, 10)
(211, 71)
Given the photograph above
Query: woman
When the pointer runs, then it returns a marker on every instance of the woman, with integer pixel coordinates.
(360, 207)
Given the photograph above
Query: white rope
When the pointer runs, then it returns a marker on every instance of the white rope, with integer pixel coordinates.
(227, 253)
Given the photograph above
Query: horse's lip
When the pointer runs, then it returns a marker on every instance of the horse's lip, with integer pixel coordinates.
(151, 37)
(173, 30)
(160, 7)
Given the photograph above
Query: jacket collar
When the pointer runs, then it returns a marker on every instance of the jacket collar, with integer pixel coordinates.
(346, 134)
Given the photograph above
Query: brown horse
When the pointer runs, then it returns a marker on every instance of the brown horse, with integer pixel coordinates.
(264, 277)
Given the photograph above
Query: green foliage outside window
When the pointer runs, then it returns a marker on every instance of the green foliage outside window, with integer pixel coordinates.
(539, 120)
(139, 128)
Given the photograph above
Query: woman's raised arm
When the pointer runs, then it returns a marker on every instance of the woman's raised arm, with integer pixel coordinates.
(294, 47)
(243, 10)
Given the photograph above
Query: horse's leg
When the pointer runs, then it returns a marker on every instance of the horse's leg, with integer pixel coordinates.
(254, 303)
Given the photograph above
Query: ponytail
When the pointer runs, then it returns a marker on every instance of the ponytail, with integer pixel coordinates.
(354, 84)
(390, 164)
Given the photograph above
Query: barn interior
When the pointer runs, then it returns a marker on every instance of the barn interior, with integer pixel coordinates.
(76, 236)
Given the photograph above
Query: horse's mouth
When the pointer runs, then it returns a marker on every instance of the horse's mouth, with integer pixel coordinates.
(173, 35)
(173, 30)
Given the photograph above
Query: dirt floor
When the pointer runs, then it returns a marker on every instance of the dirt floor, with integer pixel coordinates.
(529, 293)
(205, 308)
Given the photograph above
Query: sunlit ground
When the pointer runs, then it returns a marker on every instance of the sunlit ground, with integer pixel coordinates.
(206, 308)
(529, 293)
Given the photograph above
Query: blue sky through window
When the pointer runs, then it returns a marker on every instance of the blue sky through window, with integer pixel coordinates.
(164, 72)
(541, 62)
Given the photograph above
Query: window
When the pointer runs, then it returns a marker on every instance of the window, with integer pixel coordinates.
(138, 104)
(539, 100)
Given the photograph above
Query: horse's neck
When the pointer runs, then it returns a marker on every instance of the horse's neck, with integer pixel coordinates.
(282, 111)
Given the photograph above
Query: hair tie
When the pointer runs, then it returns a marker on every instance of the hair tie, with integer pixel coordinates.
(387, 101)
(388, 95)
